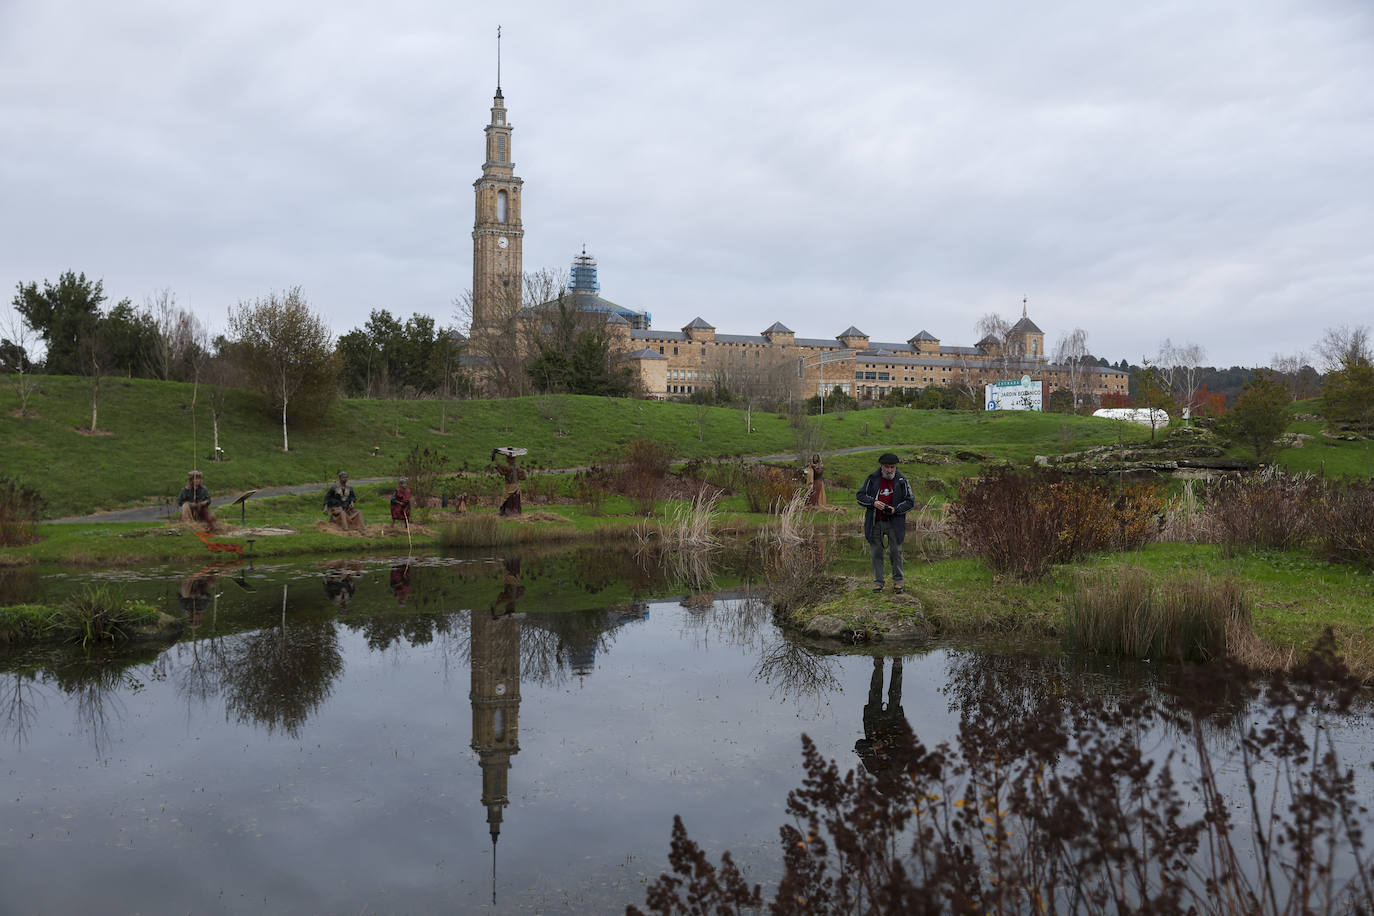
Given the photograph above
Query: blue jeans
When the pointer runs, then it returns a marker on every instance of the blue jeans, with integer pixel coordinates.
(883, 529)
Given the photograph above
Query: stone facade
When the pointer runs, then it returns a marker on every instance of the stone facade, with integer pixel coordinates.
(774, 364)
(788, 365)
(497, 233)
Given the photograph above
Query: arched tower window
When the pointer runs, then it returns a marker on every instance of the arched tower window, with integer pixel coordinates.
(502, 199)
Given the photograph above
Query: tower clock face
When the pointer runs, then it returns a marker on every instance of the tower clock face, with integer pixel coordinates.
(502, 242)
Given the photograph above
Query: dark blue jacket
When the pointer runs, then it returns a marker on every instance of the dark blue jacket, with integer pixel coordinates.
(903, 502)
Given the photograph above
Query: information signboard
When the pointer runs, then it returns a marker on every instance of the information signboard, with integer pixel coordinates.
(1014, 394)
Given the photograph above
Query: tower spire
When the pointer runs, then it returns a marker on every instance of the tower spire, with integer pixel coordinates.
(498, 60)
(1024, 300)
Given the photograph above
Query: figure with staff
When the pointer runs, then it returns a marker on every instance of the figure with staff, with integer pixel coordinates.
(512, 475)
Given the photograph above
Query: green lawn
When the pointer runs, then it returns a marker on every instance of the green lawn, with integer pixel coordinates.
(145, 446)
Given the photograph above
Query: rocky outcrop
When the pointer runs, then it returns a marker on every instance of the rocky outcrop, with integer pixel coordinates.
(1191, 449)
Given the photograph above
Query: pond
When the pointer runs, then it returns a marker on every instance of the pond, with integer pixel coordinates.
(507, 733)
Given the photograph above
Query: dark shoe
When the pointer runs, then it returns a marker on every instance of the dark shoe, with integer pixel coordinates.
(877, 588)
(897, 589)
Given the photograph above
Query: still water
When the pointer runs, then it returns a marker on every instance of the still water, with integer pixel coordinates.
(507, 734)
(367, 737)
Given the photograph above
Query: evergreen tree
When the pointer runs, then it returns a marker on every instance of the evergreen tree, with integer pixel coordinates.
(1260, 415)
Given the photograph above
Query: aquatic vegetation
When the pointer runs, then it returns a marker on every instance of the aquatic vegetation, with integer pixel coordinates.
(98, 613)
(23, 622)
(1126, 612)
(1064, 805)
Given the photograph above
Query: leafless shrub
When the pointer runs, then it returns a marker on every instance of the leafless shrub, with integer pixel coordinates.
(1023, 522)
(1272, 510)
(1345, 524)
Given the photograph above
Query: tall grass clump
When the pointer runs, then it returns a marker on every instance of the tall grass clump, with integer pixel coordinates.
(1271, 510)
(98, 613)
(1345, 523)
(1127, 613)
(20, 508)
(1023, 522)
(685, 543)
(794, 570)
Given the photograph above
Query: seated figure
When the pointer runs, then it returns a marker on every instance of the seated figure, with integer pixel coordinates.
(194, 502)
(338, 502)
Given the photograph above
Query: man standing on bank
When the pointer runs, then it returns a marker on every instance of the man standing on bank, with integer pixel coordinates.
(886, 498)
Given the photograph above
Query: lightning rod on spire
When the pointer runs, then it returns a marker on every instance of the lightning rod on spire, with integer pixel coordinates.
(498, 60)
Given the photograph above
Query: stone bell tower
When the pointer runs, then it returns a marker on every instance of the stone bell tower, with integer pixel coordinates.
(497, 236)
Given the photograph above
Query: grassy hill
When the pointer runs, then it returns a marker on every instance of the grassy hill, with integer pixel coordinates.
(145, 445)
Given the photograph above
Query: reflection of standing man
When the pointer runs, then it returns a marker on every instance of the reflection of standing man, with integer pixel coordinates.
(886, 498)
(887, 745)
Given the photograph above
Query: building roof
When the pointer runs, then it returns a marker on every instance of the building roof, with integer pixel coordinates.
(925, 335)
(1026, 326)
(646, 353)
(699, 322)
(989, 341)
(778, 327)
(850, 331)
(616, 318)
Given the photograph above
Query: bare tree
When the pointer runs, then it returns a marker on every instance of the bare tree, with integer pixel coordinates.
(1344, 346)
(508, 337)
(1296, 371)
(994, 335)
(1071, 352)
(1179, 367)
(15, 347)
(181, 336)
(92, 349)
(756, 375)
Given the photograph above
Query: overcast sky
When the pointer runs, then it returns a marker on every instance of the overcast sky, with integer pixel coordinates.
(1201, 170)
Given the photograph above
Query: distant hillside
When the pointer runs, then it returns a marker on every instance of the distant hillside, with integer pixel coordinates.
(144, 448)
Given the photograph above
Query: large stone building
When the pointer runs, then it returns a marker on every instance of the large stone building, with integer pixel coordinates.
(775, 362)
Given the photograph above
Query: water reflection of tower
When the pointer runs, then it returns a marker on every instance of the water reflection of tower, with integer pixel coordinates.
(495, 693)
